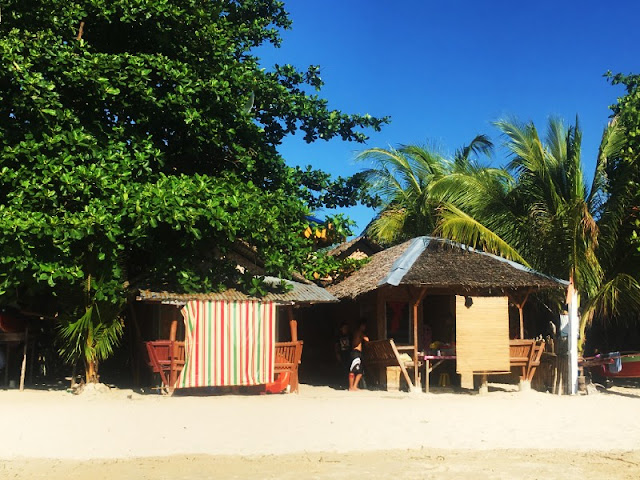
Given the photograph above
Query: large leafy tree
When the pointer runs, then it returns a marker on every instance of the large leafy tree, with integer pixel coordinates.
(138, 140)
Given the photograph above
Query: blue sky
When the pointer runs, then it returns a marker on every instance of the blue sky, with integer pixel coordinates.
(445, 70)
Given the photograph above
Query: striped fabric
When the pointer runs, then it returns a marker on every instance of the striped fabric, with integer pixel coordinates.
(228, 343)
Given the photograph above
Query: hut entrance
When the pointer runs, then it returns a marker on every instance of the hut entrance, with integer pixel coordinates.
(439, 325)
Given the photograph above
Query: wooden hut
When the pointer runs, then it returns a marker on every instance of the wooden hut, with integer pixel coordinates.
(439, 300)
(160, 320)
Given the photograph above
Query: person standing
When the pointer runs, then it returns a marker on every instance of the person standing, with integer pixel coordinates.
(356, 369)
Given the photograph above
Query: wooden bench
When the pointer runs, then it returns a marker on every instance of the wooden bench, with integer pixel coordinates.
(526, 354)
(166, 358)
(288, 357)
(384, 353)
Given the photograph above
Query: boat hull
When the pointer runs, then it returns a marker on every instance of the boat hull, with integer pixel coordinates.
(630, 367)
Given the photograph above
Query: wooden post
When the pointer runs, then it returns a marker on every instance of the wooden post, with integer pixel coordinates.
(416, 304)
(426, 376)
(173, 331)
(172, 352)
(6, 365)
(519, 303)
(521, 315)
(293, 324)
(484, 385)
(23, 368)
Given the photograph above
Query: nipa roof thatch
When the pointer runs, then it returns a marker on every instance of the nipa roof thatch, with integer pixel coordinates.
(439, 263)
(300, 294)
(359, 244)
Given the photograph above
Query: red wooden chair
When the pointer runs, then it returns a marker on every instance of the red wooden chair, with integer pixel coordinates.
(166, 358)
(288, 356)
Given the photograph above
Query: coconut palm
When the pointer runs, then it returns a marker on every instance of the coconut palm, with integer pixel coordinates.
(539, 210)
(545, 213)
(402, 177)
(92, 335)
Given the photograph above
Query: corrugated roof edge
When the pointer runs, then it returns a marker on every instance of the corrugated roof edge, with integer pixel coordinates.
(403, 264)
(301, 293)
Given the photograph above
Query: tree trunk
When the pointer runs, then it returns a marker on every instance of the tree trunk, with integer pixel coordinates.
(91, 371)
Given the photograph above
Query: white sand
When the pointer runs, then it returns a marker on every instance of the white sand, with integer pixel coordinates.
(122, 424)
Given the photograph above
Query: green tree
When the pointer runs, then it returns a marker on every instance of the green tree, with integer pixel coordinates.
(138, 141)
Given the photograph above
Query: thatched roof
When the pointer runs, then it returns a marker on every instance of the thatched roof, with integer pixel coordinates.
(361, 244)
(438, 263)
(300, 294)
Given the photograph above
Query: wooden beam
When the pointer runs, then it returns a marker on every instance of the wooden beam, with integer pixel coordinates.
(293, 324)
(401, 363)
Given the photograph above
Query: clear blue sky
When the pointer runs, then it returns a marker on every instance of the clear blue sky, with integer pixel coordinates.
(445, 70)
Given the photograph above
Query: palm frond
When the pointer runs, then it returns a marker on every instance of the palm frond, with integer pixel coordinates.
(480, 145)
(614, 298)
(388, 226)
(611, 144)
(460, 227)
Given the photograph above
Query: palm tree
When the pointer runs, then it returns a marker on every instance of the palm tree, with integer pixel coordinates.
(539, 210)
(544, 212)
(91, 336)
(402, 177)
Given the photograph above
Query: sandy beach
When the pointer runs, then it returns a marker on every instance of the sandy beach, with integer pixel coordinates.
(320, 433)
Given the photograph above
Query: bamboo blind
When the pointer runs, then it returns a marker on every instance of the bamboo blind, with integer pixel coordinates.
(482, 335)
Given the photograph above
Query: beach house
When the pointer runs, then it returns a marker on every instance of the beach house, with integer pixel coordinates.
(435, 303)
(229, 338)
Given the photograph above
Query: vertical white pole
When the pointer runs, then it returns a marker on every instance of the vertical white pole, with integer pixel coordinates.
(574, 328)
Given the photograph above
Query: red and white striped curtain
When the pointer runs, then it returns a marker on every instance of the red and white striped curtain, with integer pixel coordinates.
(228, 343)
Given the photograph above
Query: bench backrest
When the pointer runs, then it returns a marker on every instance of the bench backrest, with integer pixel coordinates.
(381, 353)
(288, 355)
(520, 352)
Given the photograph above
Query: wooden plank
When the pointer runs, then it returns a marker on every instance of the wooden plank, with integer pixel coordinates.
(403, 369)
(426, 376)
(482, 335)
(466, 380)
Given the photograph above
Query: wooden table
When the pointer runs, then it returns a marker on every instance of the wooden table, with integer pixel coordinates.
(438, 359)
(10, 340)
